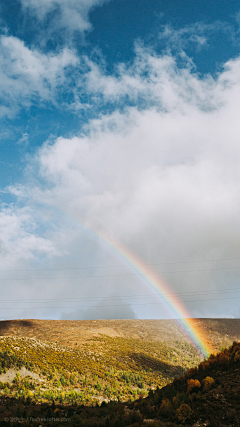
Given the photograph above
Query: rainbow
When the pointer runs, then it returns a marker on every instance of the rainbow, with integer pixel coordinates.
(189, 326)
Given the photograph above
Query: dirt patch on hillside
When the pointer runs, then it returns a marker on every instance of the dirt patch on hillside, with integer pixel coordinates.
(9, 376)
(218, 332)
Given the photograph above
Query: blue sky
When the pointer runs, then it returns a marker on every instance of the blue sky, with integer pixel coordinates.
(119, 117)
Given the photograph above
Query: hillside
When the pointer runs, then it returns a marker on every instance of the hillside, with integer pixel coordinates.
(56, 367)
(207, 395)
(220, 332)
(106, 368)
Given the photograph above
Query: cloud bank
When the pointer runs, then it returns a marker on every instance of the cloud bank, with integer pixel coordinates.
(159, 173)
(105, 309)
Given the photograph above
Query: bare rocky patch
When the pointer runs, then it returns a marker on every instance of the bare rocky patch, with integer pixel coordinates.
(9, 376)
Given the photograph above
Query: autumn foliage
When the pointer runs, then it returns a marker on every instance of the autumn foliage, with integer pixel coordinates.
(184, 412)
(192, 384)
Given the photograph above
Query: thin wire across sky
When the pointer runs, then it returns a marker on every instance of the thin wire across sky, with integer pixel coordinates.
(147, 297)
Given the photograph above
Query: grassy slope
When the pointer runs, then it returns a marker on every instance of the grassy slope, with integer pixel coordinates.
(123, 364)
(219, 332)
(106, 368)
(208, 395)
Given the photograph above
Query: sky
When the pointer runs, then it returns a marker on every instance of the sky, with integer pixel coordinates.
(119, 140)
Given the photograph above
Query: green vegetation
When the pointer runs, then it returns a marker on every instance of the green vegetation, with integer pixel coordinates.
(91, 388)
(198, 390)
(9, 359)
(106, 368)
(184, 412)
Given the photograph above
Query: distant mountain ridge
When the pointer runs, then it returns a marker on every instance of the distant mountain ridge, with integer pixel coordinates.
(219, 332)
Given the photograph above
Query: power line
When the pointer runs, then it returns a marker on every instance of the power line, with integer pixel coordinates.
(119, 266)
(119, 275)
(122, 305)
(190, 293)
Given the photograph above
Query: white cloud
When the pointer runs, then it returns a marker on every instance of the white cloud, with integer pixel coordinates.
(71, 14)
(24, 139)
(120, 180)
(27, 75)
(20, 242)
(162, 179)
(153, 80)
(197, 34)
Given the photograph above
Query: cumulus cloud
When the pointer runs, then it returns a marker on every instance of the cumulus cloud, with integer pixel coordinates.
(70, 14)
(163, 180)
(153, 81)
(161, 175)
(27, 75)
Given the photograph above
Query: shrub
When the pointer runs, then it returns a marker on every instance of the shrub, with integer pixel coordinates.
(62, 380)
(184, 412)
(176, 401)
(237, 356)
(223, 357)
(17, 378)
(165, 408)
(192, 371)
(206, 365)
(192, 384)
(208, 381)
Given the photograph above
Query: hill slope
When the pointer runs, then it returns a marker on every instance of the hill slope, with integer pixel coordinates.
(52, 367)
(208, 395)
(220, 332)
(106, 368)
